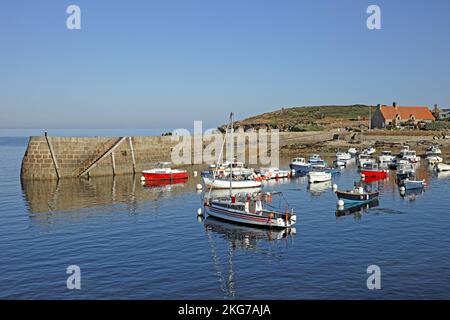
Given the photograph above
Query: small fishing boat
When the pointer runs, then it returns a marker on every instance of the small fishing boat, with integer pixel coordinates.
(433, 150)
(410, 184)
(315, 159)
(370, 150)
(441, 167)
(371, 170)
(274, 173)
(340, 163)
(318, 176)
(357, 195)
(344, 156)
(433, 155)
(254, 209)
(316, 162)
(352, 151)
(300, 166)
(364, 158)
(433, 159)
(403, 151)
(404, 170)
(411, 156)
(386, 157)
(164, 172)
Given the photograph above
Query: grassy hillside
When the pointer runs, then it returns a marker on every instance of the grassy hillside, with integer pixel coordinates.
(310, 118)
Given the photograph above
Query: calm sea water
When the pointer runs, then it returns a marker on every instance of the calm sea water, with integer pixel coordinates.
(133, 241)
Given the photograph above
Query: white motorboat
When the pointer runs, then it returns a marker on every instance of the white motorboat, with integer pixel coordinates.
(370, 150)
(403, 151)
(404, 170)
(434, 159)
(441, 167)
(239, 182)
(433, 150)
(352, 151)
(411, 156)
(318, 176)
(343, 156)
(364, 158)
(386, 157)
(274, 173)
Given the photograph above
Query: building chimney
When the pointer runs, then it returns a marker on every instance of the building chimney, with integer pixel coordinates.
(394, 104)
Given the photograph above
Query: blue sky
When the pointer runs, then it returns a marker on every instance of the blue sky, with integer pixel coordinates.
(164, 64)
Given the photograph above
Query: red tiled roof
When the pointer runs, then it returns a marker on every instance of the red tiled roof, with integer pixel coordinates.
(420, 113)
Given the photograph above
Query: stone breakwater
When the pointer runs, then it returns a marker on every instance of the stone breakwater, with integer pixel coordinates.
(48, 158)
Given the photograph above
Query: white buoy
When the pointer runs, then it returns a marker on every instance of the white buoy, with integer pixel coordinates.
(363, 175)
(402, 189)
(335, 187)
(340, 203)
(142, 178)
(199, 212)
(199, 187)
(195, 173)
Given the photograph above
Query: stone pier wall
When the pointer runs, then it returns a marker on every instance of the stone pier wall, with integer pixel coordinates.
(73, 155)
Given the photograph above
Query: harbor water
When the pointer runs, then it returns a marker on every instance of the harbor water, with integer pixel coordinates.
(146, 242)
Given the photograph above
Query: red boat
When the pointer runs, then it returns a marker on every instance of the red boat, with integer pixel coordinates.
(371, 170)
(163, 172)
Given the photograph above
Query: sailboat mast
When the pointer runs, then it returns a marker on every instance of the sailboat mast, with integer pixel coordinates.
(231, 155)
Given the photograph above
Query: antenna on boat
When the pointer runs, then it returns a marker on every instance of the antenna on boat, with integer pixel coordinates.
(231, 154)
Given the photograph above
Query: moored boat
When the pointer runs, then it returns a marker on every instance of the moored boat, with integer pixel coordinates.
(357, 195)
(352, 151)
(274, 173)
(343, 156)
(371, 170)
(411, 156)
(300, 166)
(433, 150)
(252, 210)
(164, 172)
(386, 157)
(364, 158)
(237, 182)
(404, 170)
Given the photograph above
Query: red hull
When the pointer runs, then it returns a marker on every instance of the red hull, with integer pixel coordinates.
(380, 174)
(160, 183)
(165, 176)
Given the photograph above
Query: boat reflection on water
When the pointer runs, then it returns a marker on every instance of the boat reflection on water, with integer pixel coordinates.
(245, 237)
(164, 183)
(239, 237)
(357, 209)
(411, 194)
(318, 188)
